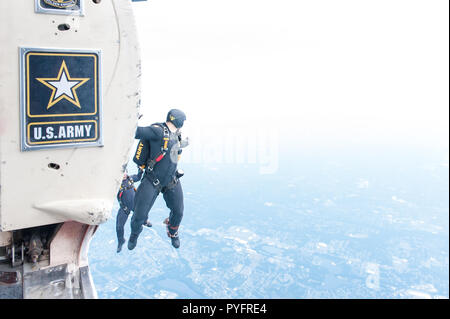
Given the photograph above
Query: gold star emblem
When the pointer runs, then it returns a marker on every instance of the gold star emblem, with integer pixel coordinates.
(63, 86)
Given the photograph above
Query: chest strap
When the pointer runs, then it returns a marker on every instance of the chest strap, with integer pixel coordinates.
(164, 147)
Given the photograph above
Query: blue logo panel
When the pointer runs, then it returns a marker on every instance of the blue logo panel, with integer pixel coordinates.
(67, 7)
(61, 98)
(59, 4)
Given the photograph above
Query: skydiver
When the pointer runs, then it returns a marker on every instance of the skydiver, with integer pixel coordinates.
(125, 196)
(161, 175)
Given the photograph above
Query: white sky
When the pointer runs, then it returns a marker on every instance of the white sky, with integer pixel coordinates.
(367, 71)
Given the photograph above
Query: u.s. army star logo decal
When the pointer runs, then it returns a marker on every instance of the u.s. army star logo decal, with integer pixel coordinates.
(61, 98)
(63, 86)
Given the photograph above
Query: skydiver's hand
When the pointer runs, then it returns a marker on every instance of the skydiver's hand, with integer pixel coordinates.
(184, 142)
(140, 120)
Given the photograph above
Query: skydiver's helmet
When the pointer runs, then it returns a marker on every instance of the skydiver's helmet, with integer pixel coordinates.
(177, 117)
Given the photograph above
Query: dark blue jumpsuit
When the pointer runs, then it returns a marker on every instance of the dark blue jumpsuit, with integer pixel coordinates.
(164, 171)
(126, 202)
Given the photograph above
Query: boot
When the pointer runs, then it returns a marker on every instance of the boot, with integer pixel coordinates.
(175, 241)
(172, 233)
(119, 246)
(148, 224)
(132, 242)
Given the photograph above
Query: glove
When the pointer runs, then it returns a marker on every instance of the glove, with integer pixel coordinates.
(184, 142)
(141, 121)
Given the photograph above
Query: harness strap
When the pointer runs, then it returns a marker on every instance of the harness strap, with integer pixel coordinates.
(122, 190)
(124, 207)
(172, 184)
(155, 181)
(164, 147)
(126, 188)
(157, 184)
